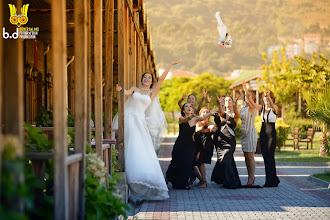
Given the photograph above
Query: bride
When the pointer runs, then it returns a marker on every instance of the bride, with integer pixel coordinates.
(144, 175)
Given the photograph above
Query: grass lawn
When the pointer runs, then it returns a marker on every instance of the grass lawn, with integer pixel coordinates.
(303, 154)
(323, 176)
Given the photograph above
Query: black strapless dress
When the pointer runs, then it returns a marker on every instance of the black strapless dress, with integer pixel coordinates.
(181, 166)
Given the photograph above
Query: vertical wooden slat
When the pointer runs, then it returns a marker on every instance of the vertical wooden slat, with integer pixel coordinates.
(109, 28)
(133, 63)
(130, 52)
(98, 74)
(89, 73)
(74, 191)
(121, 81)
(13, 110)
(12, 89)
(81, 59)
(59, 58)
(126, 48)
(1, 93)
(137, 49)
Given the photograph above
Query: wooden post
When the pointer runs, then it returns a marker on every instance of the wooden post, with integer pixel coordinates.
(1, 93)
(138, 49)
(12, 90)
(130, 52)
(98, 75)
(80, 101)
(121, 81)
(89, 73)
(59, 59)
(133, 63)
(108, 96)
(126, 48)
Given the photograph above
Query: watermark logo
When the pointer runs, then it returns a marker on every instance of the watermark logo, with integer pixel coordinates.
(19, 20)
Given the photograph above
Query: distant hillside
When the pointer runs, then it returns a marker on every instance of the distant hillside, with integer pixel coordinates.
(187, 29)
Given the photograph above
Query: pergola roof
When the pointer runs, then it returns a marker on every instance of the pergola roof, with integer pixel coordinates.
(246, 75)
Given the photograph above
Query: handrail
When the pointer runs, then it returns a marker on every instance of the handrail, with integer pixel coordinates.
(72, 158)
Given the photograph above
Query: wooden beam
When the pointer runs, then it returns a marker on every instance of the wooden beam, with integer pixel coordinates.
(121, 82)
(98, 17)
(59, 59)
(109, 27)
(80, 102)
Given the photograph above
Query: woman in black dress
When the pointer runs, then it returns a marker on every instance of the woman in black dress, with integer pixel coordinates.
(225, 171)
(268, 135)
(205, 145)
(181, 167)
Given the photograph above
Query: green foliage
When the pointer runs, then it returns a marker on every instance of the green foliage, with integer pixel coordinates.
(45, 117)
(173, 89)
(101, 202)
(278, 77)
(238, 129)
(35, 140)
(318, 105)
(189, 28)
(14, 186)
(302, 123)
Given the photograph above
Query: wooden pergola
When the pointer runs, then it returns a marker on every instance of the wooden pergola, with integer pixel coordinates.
(83, 48)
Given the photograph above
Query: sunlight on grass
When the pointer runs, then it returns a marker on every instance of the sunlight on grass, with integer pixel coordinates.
(323, 176)
(304, 159)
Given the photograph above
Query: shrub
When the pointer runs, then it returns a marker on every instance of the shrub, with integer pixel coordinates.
(302, 123)
(238, 129)
(101, 202)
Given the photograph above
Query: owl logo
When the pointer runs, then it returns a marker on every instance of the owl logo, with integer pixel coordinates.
(16, 19)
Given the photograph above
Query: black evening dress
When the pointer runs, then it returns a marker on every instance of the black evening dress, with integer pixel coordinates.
(205, 146)
(225, 171)
(181, 166)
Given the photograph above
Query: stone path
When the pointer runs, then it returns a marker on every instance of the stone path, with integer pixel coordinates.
(295, 198)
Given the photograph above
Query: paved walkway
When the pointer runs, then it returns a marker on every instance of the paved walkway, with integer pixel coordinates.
(295, 198)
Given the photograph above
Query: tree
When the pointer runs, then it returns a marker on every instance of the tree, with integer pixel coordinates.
(318, 104)
(173, 89)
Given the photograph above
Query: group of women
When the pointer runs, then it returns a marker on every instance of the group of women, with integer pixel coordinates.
(198, 136)
(196, 141)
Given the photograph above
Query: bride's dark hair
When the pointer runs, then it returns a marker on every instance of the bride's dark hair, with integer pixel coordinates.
(152, 76)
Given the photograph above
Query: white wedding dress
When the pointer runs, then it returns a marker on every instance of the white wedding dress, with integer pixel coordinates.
(144, 175)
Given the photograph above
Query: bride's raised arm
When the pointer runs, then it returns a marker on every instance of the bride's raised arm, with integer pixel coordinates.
(161, 79)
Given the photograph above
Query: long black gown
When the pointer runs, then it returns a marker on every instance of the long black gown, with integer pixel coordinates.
(205, 146)
(225, 171)
(181, 166)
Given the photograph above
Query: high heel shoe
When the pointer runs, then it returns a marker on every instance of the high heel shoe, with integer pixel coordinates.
(254, 178)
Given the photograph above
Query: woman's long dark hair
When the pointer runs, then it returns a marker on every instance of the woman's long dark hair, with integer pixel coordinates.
(182, 113)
